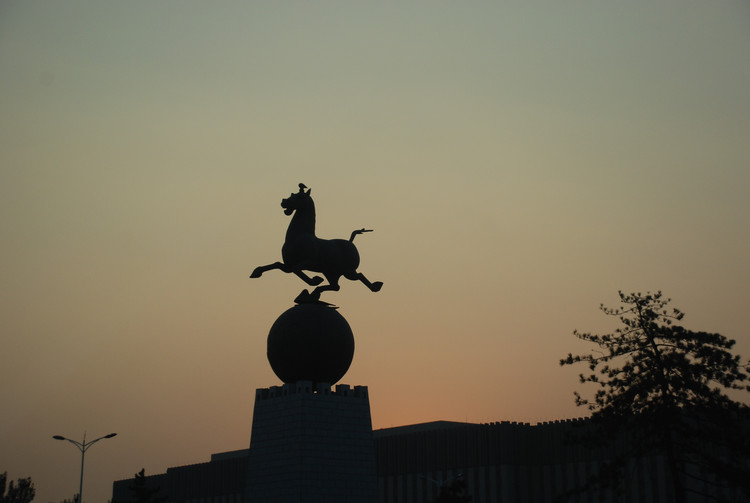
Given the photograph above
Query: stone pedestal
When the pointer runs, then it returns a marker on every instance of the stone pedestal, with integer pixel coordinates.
(311, 444)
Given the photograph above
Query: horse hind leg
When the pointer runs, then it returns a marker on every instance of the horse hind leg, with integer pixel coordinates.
(374, 287)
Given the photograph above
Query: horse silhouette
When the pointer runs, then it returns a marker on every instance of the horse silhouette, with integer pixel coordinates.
(304, 251)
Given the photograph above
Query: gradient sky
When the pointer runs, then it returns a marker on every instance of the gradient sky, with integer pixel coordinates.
(519, 161)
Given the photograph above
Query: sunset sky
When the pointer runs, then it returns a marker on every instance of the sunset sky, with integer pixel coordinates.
(520, 162)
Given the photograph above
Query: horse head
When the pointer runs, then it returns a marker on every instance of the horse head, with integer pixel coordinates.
(297, 200)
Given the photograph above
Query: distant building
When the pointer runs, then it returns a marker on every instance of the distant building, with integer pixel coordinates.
(500, 462)
(221, 480)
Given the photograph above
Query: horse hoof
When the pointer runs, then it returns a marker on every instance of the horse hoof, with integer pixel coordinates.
(377, 286)
(306, 297)
(256, 273)
(315, 281)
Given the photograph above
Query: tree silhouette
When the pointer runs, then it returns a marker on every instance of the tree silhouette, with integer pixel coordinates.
(665, 389)
(143, 492)
(23, 492)
(455, 492)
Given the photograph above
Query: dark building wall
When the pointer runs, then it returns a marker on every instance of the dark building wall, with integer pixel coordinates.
(122, 493)
(519, 462)
(500, 462)
(222, 480)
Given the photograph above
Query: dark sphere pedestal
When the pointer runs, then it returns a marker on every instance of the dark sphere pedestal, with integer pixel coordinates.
(311, 442)
(310, 342)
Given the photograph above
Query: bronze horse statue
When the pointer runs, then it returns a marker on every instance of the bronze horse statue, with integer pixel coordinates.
(303, 251)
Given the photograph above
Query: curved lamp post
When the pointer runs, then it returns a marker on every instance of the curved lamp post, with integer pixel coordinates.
(83, 447)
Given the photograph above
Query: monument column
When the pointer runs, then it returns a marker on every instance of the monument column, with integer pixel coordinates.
(312, 438)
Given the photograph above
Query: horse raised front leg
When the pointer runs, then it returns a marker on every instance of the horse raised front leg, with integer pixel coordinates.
(258, 271)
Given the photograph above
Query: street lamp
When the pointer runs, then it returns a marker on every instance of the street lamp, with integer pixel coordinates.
(83, 447)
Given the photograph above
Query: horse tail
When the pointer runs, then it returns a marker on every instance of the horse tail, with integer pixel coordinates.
(358, 231)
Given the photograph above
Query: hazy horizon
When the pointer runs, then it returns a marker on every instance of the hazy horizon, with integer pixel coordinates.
(519, 162)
